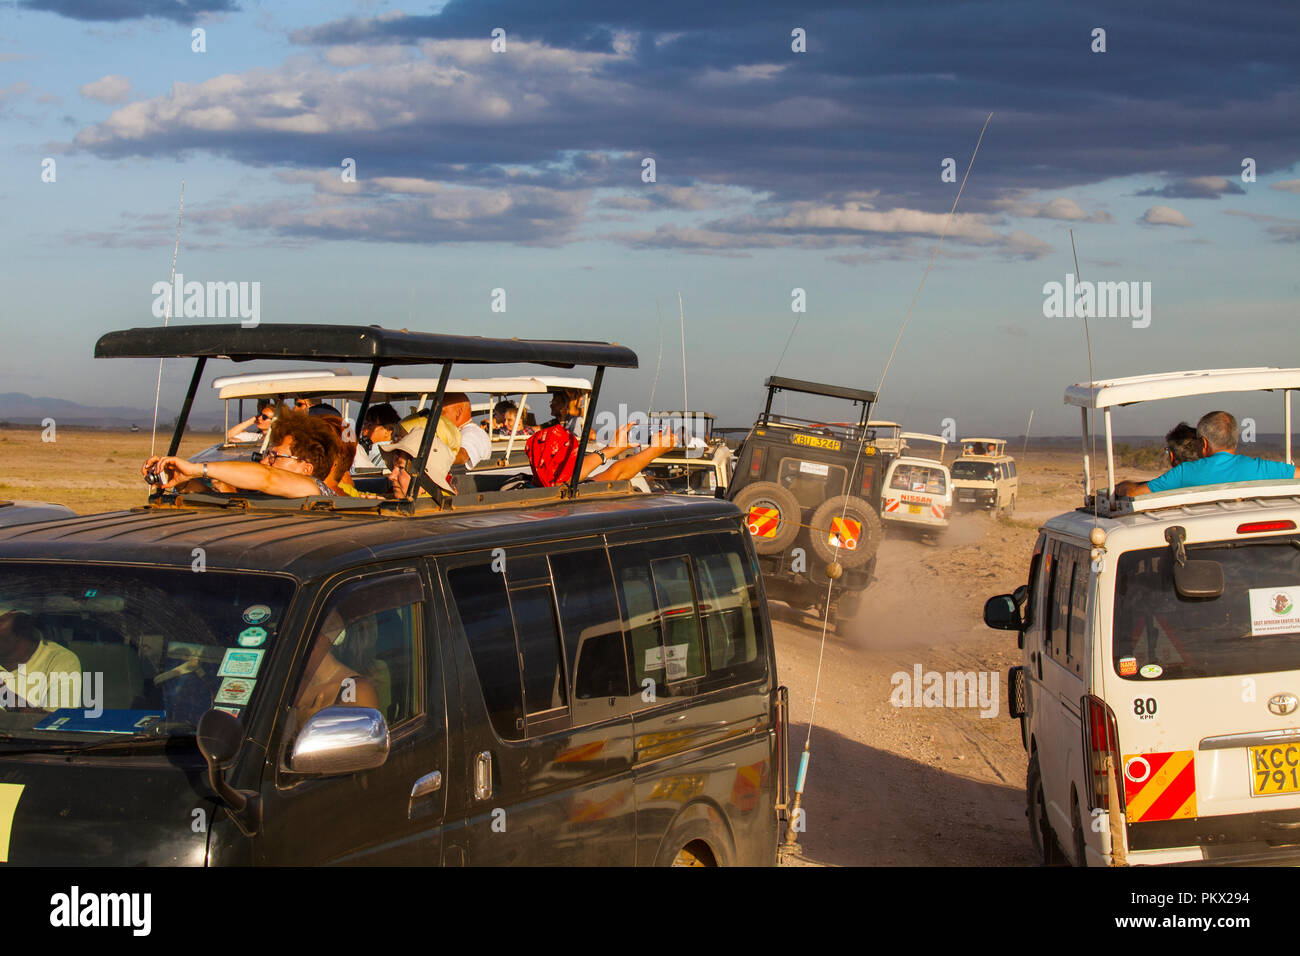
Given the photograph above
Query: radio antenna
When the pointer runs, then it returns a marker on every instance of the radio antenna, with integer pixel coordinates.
(171, 285)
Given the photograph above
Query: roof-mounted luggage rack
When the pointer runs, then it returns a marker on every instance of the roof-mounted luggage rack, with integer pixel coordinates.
(858, 396)
(368, 344)
(1105, 395)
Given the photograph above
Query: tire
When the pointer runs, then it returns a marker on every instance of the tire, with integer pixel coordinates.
(852, 508)
(768, 494)
(1011, 506)
(1041, 836)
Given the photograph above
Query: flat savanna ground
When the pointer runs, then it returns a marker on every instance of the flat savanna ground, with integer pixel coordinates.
(919, 786)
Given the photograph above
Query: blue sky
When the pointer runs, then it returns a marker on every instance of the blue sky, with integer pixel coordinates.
(775, 169)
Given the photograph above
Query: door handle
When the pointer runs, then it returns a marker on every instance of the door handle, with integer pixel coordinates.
(483, 775)
(429, 783)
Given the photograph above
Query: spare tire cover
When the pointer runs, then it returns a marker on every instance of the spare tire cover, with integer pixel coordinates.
(845, 529)
(772, 514)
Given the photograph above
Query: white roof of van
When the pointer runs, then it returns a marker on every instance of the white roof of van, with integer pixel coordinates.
(296, 383)
(1145, 388)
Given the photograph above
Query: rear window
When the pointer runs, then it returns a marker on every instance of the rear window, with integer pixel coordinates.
(1252, 628)
(146, 651)
(919, 478)
(812, 482)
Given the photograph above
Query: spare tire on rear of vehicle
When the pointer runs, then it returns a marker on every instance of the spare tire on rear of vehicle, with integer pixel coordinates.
(845, 529)
(772, 514)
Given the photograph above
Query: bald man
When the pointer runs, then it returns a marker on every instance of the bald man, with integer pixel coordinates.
(475, 446)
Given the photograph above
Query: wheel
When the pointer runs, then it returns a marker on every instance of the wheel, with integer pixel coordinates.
(832, 545)
(1041, 837)
(1011, 506)
(686, 857)
(772, 514)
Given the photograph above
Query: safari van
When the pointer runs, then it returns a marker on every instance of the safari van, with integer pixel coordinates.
(917, 491)
(984, 477)
(1157, 695)
(573, 675)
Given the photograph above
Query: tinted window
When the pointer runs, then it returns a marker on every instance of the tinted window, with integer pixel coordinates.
(812, 482)
(539, 647)
(664, 627)
(973, 471)
(729, 607)
(367, 649)
(480, 600)
(1252, 628)
(592, 624)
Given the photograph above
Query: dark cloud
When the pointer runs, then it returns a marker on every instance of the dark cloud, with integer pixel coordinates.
(179, 11)
(714, 93)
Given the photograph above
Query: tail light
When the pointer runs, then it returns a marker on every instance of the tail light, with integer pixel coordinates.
(756, 463)
(868, 477)
(1100, 741)
(1258, 526)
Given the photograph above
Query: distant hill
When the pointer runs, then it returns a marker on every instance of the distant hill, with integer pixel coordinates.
(23, 409)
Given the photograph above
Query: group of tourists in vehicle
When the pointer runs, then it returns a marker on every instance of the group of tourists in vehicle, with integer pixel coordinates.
(312, 449)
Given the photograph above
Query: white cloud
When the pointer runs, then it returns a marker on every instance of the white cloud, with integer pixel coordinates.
(1287, 186)
(1058, 208)
(107, 89)
(1164, 216)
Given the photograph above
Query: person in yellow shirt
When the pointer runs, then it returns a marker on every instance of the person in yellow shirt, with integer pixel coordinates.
(35, 672)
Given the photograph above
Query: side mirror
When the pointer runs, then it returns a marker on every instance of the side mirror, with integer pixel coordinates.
(219, 736)
(1002, 612)
(340, 740)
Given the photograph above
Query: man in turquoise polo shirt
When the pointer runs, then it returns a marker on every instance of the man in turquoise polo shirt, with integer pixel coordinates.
(1220, 464)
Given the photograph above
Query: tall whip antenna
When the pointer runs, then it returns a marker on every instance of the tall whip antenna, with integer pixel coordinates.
(685, 401)
(792, 833)
(171, 286)
(1092, 379)
(650, 409)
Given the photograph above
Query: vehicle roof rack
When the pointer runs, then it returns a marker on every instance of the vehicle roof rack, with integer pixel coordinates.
(777, 383)
(378, 347)
(1105, 395)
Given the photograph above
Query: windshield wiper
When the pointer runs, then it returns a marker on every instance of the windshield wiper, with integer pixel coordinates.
(116, 741)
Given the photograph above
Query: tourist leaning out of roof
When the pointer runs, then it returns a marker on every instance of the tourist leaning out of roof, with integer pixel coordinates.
(381, 424)
(302, 447)
(253, 429)
(1220, 464)
(553, 450)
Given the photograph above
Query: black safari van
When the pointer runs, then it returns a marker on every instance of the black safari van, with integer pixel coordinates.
(579, 675)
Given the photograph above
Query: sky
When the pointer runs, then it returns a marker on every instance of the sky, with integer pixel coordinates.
(370, 162)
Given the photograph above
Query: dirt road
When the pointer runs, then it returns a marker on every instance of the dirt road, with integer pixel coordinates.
(913, 785)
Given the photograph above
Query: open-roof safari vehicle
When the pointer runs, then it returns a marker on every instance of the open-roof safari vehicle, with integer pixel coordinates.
(701, 465)
(1161, 671)
(576, 674)
(917, 492)
(811, 494)
(984, 477)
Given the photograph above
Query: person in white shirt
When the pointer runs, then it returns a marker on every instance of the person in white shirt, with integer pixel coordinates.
(475, 446)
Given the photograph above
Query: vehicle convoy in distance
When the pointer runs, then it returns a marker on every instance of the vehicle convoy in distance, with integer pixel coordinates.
(984, 477)
(578, 674)
(810, 491)
(1160, 634)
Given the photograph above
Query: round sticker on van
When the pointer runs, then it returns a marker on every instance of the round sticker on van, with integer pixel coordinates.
(1151, 670)
(256, 613)
(252, 637)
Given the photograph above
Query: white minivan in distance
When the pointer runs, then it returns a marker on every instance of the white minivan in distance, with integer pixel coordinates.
(1160, 677)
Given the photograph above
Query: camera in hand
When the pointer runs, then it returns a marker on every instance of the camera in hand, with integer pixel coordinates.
(155, 476)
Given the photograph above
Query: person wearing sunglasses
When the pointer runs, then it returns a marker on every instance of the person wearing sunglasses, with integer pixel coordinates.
(302, 448)
(253, 429)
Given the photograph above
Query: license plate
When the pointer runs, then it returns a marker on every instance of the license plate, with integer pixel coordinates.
(1274, 770)
(914, 509)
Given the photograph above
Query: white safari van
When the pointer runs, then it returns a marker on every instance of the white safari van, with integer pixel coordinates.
(984, 477)
(1161, 671)
(917, 491)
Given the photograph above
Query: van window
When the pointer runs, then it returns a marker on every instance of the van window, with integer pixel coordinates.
(918, 478)
(729, 605)
(1059, 598)
(1011, 468)
(538, 638)
(1243, 631)
(480, 599)
(367, 631)
(663, 623)
(1076, 636)
(592, 624)
(973, 471)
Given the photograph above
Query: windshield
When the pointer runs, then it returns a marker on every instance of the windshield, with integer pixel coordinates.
(974, 470)
(1253, 628)
(115, 650)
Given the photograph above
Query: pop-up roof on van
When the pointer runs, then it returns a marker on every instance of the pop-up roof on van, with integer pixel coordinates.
(1105, 395)
(368, 344)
